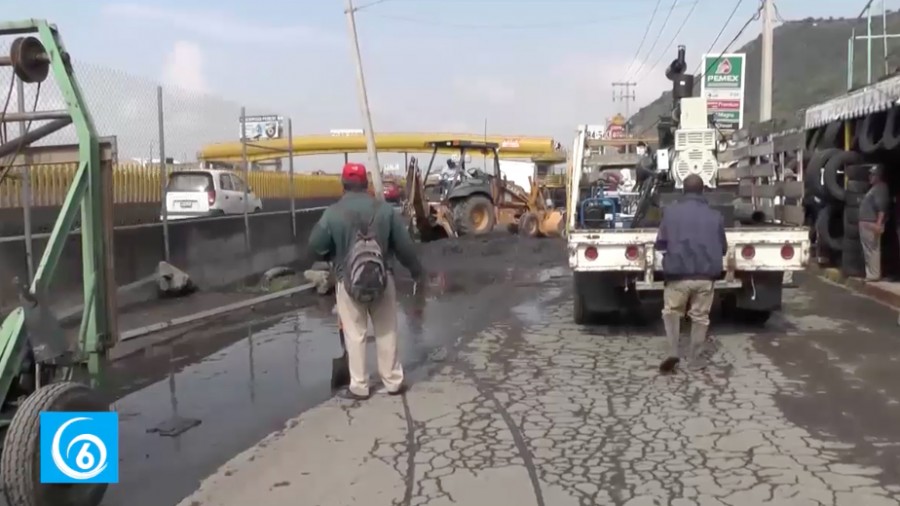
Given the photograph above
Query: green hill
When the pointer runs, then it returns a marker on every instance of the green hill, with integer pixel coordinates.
(810, 66)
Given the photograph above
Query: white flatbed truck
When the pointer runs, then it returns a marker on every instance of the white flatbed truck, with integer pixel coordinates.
(617, 269)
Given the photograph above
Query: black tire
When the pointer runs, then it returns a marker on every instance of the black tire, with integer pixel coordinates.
(834, 182)
(827, 216)
(812, 177)
(529, 225)
(20, 461)
(858, 172)
(858, 187)
(579, 311)
(853, 262)
(813, 140)
(851, 217)
(890, 138)
(852, 199)
(474, 215)
(754, 317)
(831, 136)
(871, 132)
(851, 232)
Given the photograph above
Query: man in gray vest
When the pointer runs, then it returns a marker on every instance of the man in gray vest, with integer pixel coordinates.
(872, 216)
(359, 234)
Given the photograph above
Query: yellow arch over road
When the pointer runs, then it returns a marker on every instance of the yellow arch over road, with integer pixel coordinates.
(511, 146)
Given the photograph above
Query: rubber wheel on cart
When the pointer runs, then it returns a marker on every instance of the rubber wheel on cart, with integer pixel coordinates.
(20, 466)
(529, 225)
(475, 215)
(834, 182)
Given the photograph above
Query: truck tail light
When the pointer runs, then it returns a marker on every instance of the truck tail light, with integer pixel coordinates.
(632, 252)
(211, 197)
(787, 252)
(748, 252)
(590, 253)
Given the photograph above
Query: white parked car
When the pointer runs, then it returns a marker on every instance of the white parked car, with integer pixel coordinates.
(208, 192)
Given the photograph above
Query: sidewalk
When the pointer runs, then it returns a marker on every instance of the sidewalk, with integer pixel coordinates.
(887, 292)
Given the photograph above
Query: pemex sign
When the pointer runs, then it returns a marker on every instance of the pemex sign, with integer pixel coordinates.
(723, 87)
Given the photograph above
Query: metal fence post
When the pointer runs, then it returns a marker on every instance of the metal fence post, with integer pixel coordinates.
(26, 185)
(246, 180)
(163, 173)
(290, 132)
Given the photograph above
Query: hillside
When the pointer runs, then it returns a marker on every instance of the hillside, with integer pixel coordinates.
(810, 67)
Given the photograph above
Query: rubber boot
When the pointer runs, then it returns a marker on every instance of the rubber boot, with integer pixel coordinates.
(672, 323)
(698, 345)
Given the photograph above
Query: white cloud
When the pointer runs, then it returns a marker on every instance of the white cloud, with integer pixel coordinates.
(184, 67)
(214, 24)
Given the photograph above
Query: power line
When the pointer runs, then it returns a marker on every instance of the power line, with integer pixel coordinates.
(658, 35)
(643, 38)
(373, 3)
(524, 26)
(753, 18)
(674, 37)
(721, 31)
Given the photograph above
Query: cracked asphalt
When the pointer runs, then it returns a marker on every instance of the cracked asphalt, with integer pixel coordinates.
(531, 409)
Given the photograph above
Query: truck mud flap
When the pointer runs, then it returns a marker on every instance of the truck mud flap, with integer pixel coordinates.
(761, 291)
(603, 292)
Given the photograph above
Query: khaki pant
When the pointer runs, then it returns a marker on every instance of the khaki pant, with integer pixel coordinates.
(355, 320)
(871, 246)
(696, 293)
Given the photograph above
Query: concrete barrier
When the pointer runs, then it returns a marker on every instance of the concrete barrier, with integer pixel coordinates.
(212, 250)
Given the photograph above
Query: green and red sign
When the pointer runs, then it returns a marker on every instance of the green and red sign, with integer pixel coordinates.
(723, 88)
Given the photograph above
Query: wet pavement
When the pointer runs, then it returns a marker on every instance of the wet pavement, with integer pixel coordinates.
(532, 409)
(243, 377)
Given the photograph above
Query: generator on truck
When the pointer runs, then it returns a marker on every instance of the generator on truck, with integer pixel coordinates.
(616, 267)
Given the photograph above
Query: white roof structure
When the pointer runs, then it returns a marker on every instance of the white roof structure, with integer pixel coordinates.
(875, 97)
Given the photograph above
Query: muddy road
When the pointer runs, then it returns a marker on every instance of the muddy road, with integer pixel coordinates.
(231, 383)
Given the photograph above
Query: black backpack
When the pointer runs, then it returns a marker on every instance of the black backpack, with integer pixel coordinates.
(365, 272)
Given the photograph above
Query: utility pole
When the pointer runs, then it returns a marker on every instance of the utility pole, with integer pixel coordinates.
(364, 103)
(765, 85)
(626, 96)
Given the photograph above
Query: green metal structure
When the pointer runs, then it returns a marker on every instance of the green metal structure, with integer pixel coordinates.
(41, 369)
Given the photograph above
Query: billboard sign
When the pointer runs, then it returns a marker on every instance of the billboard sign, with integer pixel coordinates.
(263, 127)
(722, 85)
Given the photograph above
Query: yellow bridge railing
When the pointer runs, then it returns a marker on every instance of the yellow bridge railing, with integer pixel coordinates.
(136, 184)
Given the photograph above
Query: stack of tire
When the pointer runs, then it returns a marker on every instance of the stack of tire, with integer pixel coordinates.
(838, 180)
(857, 184)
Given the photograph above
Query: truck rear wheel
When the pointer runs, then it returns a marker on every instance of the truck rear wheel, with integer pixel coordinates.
(580, 314)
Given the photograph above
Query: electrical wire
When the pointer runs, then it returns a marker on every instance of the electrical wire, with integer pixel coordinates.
(658, 35)
(674, 38)
(643, 38)
(373, 3)
(719, 35)
(753, 18)
(526, 26)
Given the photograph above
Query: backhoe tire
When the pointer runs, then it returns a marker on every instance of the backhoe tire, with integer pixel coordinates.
(529, 225)
(20, 467)
(828, 215)
(474, 215)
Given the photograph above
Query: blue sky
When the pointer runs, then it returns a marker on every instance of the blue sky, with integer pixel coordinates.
(528, 66)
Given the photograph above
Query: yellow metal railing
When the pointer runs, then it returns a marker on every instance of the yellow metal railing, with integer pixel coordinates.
(140, 184)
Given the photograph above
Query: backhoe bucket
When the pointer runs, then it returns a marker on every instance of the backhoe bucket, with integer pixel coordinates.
(551, 223)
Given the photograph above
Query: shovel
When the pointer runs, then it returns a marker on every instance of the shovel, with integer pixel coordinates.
(340, 367)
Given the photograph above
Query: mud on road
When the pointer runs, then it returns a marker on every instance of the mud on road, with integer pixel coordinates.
(244, 375)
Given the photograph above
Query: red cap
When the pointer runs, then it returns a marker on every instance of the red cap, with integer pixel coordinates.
(355, 172)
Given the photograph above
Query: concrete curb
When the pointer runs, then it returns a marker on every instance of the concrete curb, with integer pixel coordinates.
(885, 296)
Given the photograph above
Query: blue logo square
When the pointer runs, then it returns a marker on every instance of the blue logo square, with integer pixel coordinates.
(79, 447)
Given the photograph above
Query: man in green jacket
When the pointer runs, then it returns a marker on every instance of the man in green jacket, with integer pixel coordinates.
(334, 238)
